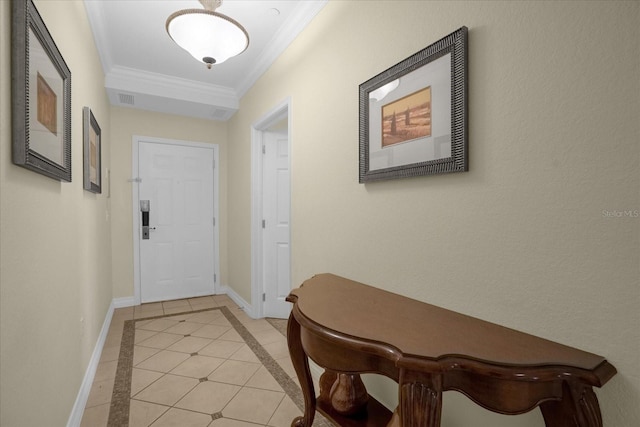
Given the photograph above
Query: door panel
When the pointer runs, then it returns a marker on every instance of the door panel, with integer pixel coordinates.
(177, 261)
(276, 206)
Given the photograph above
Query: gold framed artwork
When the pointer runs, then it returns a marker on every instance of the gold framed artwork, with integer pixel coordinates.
(41, 96)
(92, 154)
(47, 106)
(413, 116)
(407, 118)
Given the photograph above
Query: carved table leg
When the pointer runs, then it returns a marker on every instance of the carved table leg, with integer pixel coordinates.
(420, 405)
(578, 408)
(327, 379)
(301, 365)
(345, 393)
(349, 395)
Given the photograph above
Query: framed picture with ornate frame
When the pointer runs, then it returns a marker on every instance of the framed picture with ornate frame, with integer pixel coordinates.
(41, 96)
(92, 142)
(413, 116)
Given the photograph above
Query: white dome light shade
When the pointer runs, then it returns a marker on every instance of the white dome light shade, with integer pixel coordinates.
(209, 37)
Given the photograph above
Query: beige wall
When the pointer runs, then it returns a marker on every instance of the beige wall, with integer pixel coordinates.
(55, 279)
(125, 123)
(522, 239)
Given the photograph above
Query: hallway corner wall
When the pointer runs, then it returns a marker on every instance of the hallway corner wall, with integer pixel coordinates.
(55, 246)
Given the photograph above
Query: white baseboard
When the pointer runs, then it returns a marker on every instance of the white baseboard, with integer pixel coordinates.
(85, 388)
(124, 302)
(248, 308)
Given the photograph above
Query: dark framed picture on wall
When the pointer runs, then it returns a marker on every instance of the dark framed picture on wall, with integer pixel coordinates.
(92, 152)
(413, 116)
(41, 96)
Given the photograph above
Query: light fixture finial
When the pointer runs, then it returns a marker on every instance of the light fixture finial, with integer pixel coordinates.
(211, 5)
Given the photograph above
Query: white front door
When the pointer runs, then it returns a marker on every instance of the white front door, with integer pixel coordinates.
(177, 260)
(276, 213)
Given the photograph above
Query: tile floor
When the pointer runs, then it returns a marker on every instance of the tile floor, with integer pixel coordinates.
(193, 369)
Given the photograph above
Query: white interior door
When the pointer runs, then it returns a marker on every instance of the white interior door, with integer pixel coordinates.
(276, 235)
(177, 260)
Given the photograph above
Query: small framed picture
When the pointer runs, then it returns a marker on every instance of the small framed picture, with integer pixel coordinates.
(92, 152)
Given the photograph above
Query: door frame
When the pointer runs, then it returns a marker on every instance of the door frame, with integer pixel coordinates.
(258, 128)
(135, 181)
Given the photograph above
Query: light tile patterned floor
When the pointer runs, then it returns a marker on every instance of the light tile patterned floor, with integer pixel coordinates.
(206, 367)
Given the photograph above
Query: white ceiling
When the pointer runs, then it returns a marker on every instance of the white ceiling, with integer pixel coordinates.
(145, 69)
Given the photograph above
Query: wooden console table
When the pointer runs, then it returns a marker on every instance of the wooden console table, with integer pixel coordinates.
(350, 328)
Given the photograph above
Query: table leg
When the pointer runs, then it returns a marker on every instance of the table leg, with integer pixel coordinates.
(420, 405)
(301, 365)
(327, 379)
(349, 395)
(578, 408)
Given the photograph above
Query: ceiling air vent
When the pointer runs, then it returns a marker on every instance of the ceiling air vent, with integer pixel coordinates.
(219, 114)
(126, 98)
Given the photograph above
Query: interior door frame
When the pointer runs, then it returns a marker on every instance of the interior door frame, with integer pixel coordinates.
(258, 128)
(136, 140)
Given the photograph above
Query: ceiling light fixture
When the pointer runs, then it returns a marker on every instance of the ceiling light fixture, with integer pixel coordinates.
(207, 35)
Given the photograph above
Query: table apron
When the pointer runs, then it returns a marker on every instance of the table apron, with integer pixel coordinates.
(495, 394)
(359, 358)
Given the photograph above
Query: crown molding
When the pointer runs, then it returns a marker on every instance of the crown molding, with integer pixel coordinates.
(172, 95)
(145, 82)
(94, 12)
(303, 14)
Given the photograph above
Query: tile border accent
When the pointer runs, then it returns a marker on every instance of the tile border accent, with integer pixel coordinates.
(121, 396)
(285, 381)
(278, 325)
